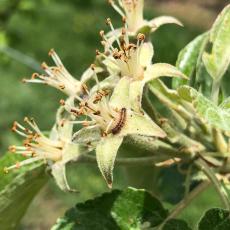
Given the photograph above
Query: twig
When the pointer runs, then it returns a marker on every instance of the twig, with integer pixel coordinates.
(186, 201)
(212, 177)
(140, 161)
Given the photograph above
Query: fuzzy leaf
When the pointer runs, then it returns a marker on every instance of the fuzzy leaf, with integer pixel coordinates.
(214, 115)
(106, 152)
(141, 124)
(187, 59)
(17, 190)
(160, 70)
(215, 219)
(127, 210)
(225, 104)
(168, 96)
(218, 60)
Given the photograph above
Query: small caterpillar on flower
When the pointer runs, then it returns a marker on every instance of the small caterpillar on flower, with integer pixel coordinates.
(121, 122)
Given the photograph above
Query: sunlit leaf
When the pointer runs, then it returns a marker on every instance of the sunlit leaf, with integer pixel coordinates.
(218, 60)
(212, 114)
(127, 210)
(187, 59)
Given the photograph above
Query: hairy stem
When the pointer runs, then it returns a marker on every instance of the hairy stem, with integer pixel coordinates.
(134, 161)
(215, 91)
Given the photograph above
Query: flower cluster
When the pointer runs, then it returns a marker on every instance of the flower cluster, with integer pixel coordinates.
(102, 110)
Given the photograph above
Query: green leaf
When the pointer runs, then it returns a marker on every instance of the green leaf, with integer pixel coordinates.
(168, 96)
(214, 115)
(174, 224)
(187, 59)
(215, 219)
(225, 104)
(17, 190)
(218, 60)
(106, 152)
(130, 209)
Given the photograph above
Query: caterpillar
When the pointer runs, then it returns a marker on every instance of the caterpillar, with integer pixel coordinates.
(121, 122)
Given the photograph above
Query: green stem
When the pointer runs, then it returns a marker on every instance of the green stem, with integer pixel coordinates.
(212, 177)
(134, 161)
(186, 201)
(215, 91)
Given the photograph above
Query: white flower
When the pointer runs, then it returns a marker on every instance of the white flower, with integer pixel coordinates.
(58, 77)
(135, 62)
(132, 12)
(55, 150)
(111, 119)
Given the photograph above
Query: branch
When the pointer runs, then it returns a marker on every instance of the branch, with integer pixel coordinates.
(212, 177)
(138, 161)
(186, 201)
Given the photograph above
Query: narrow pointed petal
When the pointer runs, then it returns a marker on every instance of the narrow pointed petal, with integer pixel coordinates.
(146, 54)
(120, 96)
(162, 20)
(135, 93)
(160, 70)
(106, 153)
(141, 124)
(87, 135)
(59, 174)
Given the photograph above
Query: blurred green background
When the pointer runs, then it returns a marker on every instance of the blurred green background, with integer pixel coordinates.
(28, 29)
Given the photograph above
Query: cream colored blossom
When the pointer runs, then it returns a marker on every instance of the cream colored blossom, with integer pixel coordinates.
(54, 151)
(132, 12)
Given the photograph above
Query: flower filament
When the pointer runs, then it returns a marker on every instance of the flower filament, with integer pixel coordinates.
(36, 145)
(57, 77)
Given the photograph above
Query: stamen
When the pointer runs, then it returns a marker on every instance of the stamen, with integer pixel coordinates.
(116, 8)
(108, 22)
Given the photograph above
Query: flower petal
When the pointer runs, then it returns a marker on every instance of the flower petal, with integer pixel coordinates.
(135, 95)
(120, 96)
(59, 174)
(159, 21)
(160, 70)
(146, 54)
(106, 152)
(87, 135)
(140, 124)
